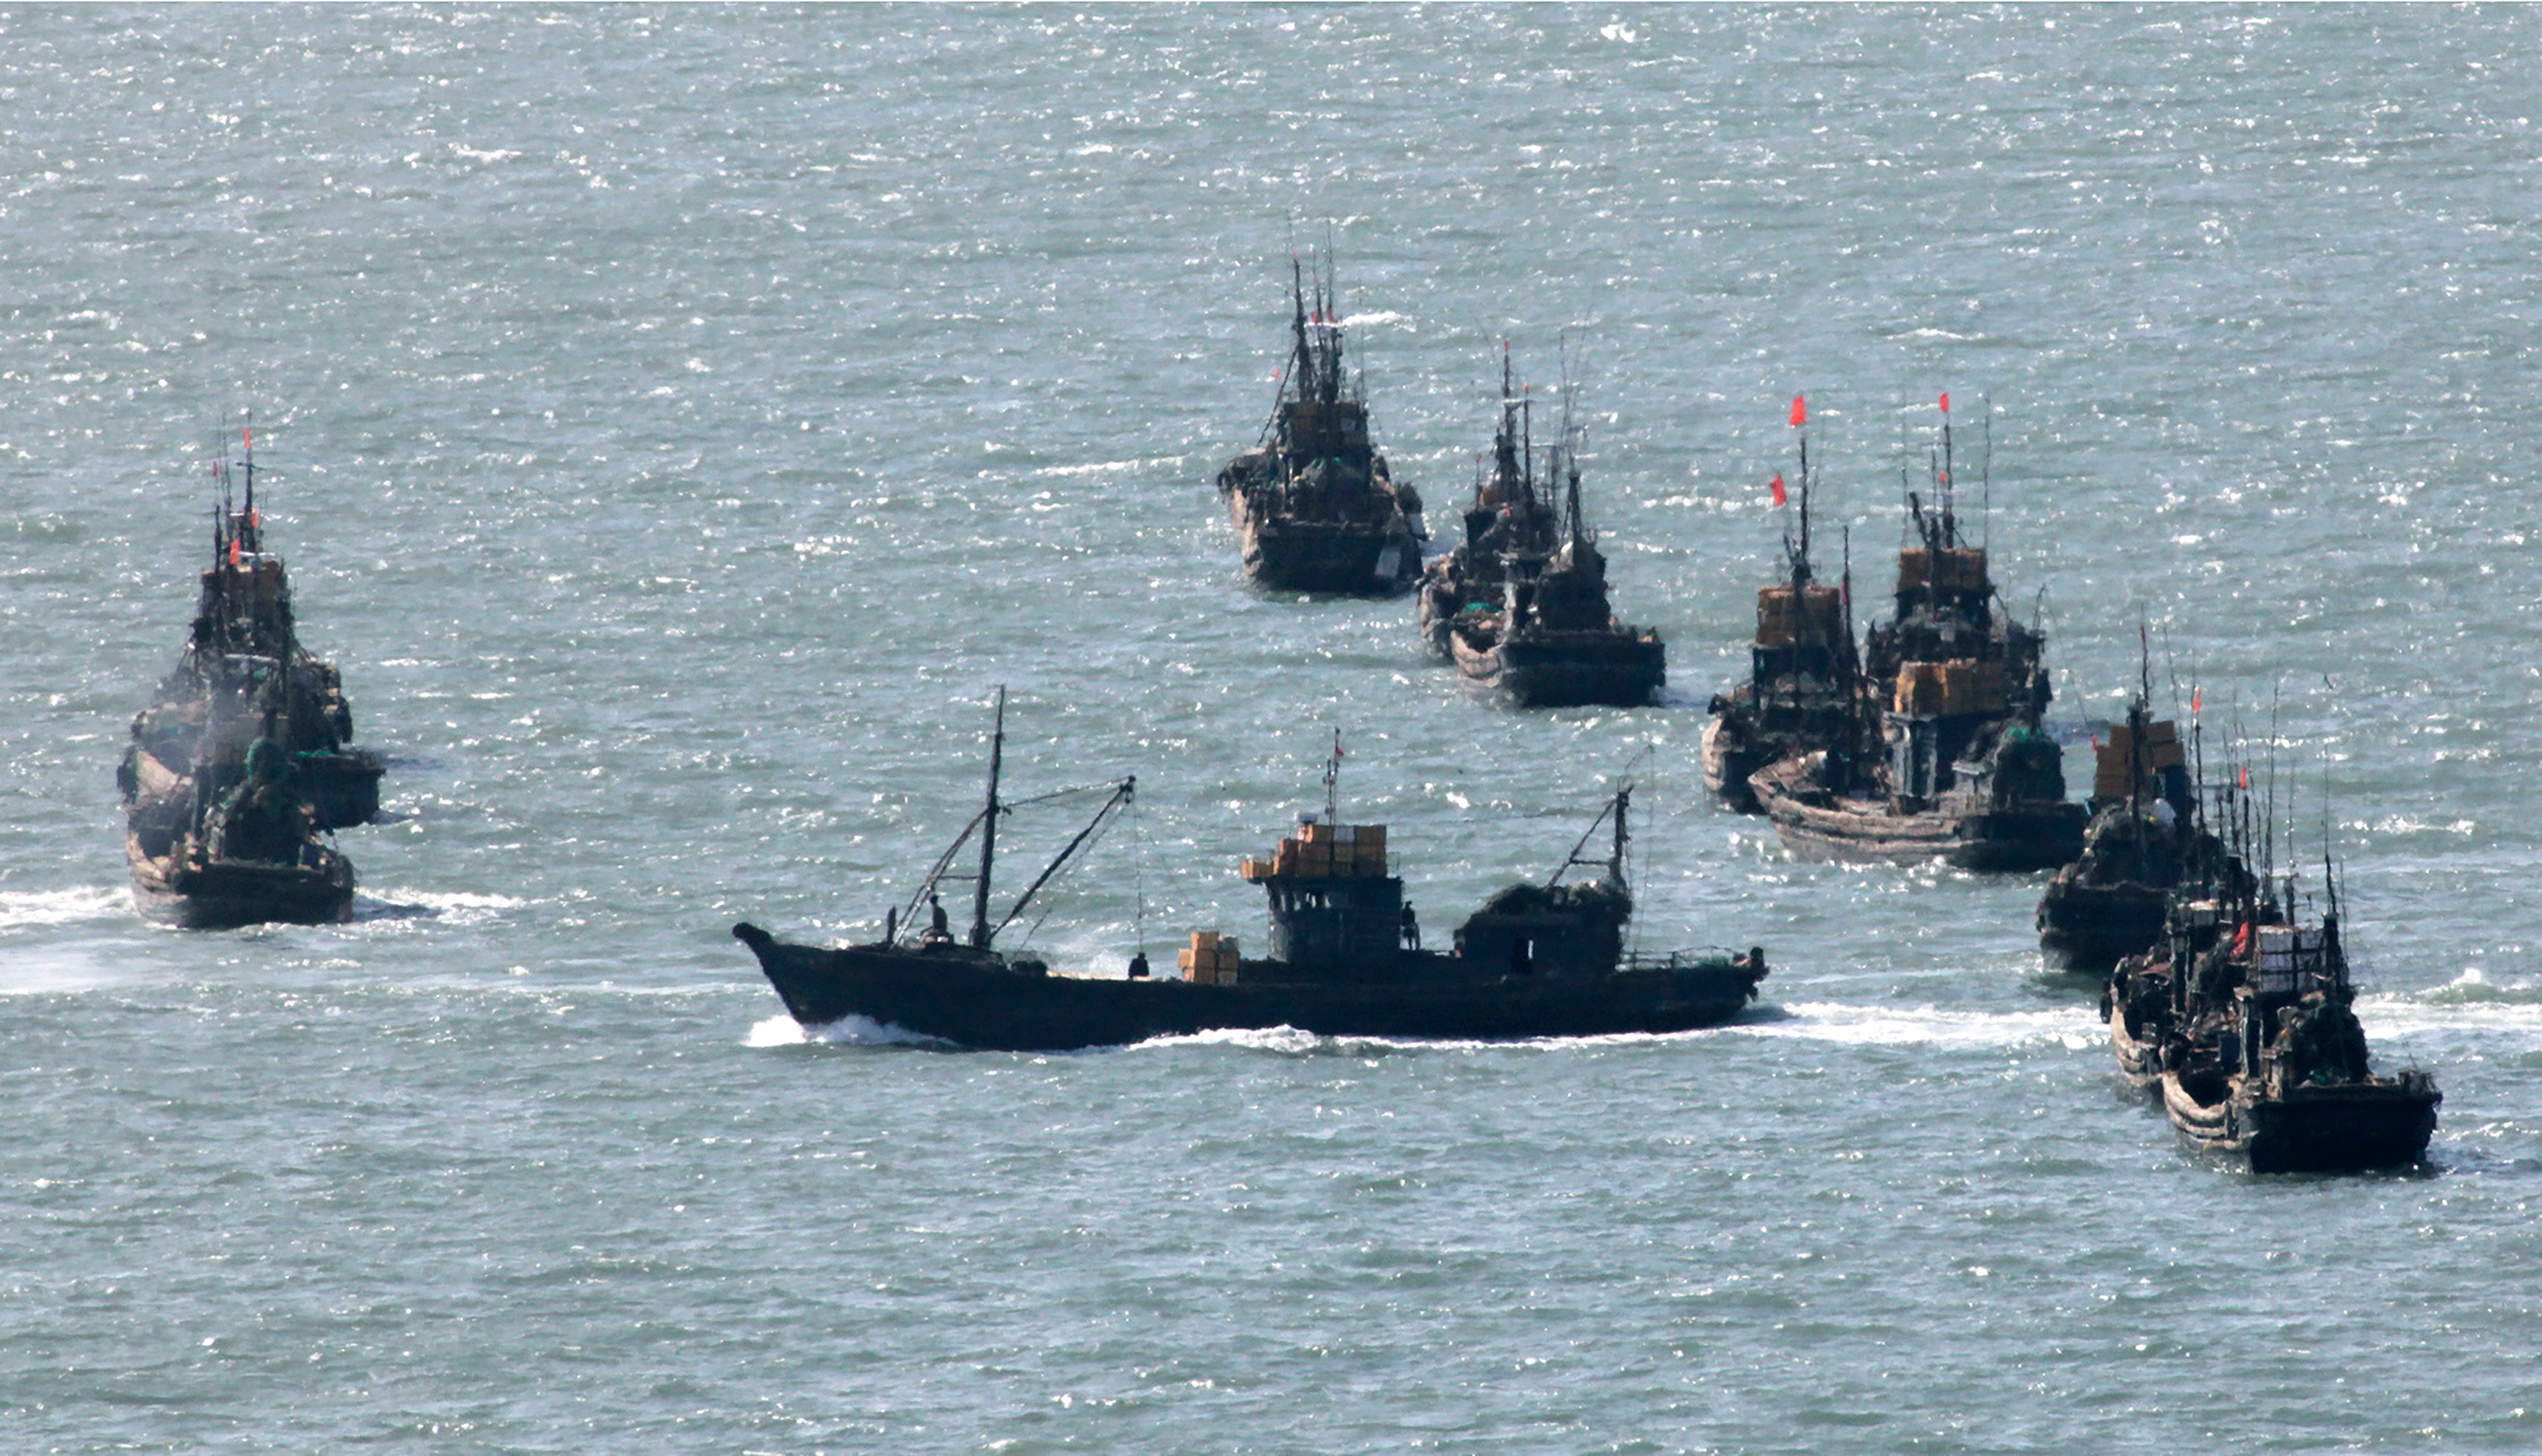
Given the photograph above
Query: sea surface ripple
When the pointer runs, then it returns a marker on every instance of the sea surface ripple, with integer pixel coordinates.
(679, 420)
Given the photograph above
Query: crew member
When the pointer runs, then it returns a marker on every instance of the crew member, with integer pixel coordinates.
(1411, 928)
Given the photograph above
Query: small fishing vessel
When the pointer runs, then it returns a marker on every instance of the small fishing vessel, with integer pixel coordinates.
(1958, 687)
(1521, 606)
(2240, 1022)
(1315, 507)
(1534, 961)
(2145, 838)
(1804, 689)
(240, 766)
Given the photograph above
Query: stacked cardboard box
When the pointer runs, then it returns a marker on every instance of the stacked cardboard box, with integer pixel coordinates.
(1211, 959)
(1959, 686)
(1954, 569)
(1974, 686)
(1327, 852)
(1819, 616)
(2161, 751)
(1919, 688)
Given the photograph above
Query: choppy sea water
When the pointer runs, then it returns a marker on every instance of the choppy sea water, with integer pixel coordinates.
(679, 422)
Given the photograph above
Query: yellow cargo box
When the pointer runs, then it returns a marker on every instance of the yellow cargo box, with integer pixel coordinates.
(1957, 569)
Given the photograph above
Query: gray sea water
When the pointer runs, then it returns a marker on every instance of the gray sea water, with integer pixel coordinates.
(680, 421)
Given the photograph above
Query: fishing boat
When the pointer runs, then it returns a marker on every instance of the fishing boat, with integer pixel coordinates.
(1804, 689)
(1964, 772)
(2239, 1021)
(2145, 838)
(1315, 507)
(1535, 960)
(240, 766)
(1521, 606)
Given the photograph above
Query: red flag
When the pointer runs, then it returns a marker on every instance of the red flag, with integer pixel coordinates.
(1800, 410)
(1946, 402)
(2246, 776)
(2196, 695)
(248, 436)
(2096, 743)
(1779, 497)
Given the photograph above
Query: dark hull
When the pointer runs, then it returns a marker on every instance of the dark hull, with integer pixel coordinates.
(2343, 1127)
(1729, 758)
(973, 999)
(1341, 557)
(2087, 930)
(1854, 830)
(1566, 669)
(2140, 1056)
(342, 789)
(224, 895)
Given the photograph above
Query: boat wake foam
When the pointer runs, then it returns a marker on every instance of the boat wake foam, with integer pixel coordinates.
(1289, 1041)
(848, 1031)
(2077, 1028)
(2473, 987)
(26, 907)
(452, 909)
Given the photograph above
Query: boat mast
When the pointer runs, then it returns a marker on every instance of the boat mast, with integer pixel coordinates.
(1332, 781)
(1616, 864)
(989, 827)
(1950, 515)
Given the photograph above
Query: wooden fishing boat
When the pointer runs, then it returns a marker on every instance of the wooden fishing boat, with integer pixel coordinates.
(2239, 1021)
(1971, 826)
(1534, 961)
(1315, 507)
(200, 885)
(2144, 839)
(1521, 606)
(240, 766)
(1804, 689)
(1964, 772)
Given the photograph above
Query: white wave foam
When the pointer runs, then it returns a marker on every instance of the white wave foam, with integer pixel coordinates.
(2447, 1011)
(848, 1031)
(1289, 1041)
(20, 908)
(2075, 1027)
(777, 1031)
(390, 906)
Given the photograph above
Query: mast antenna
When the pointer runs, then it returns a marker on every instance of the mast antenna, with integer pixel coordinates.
(1985, 473)
(1332, 781)
(989, 827)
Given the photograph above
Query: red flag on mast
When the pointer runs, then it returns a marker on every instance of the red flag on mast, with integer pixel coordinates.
(1800, 410)
(1946, 402)
(1779, 497)
(2196, 695)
